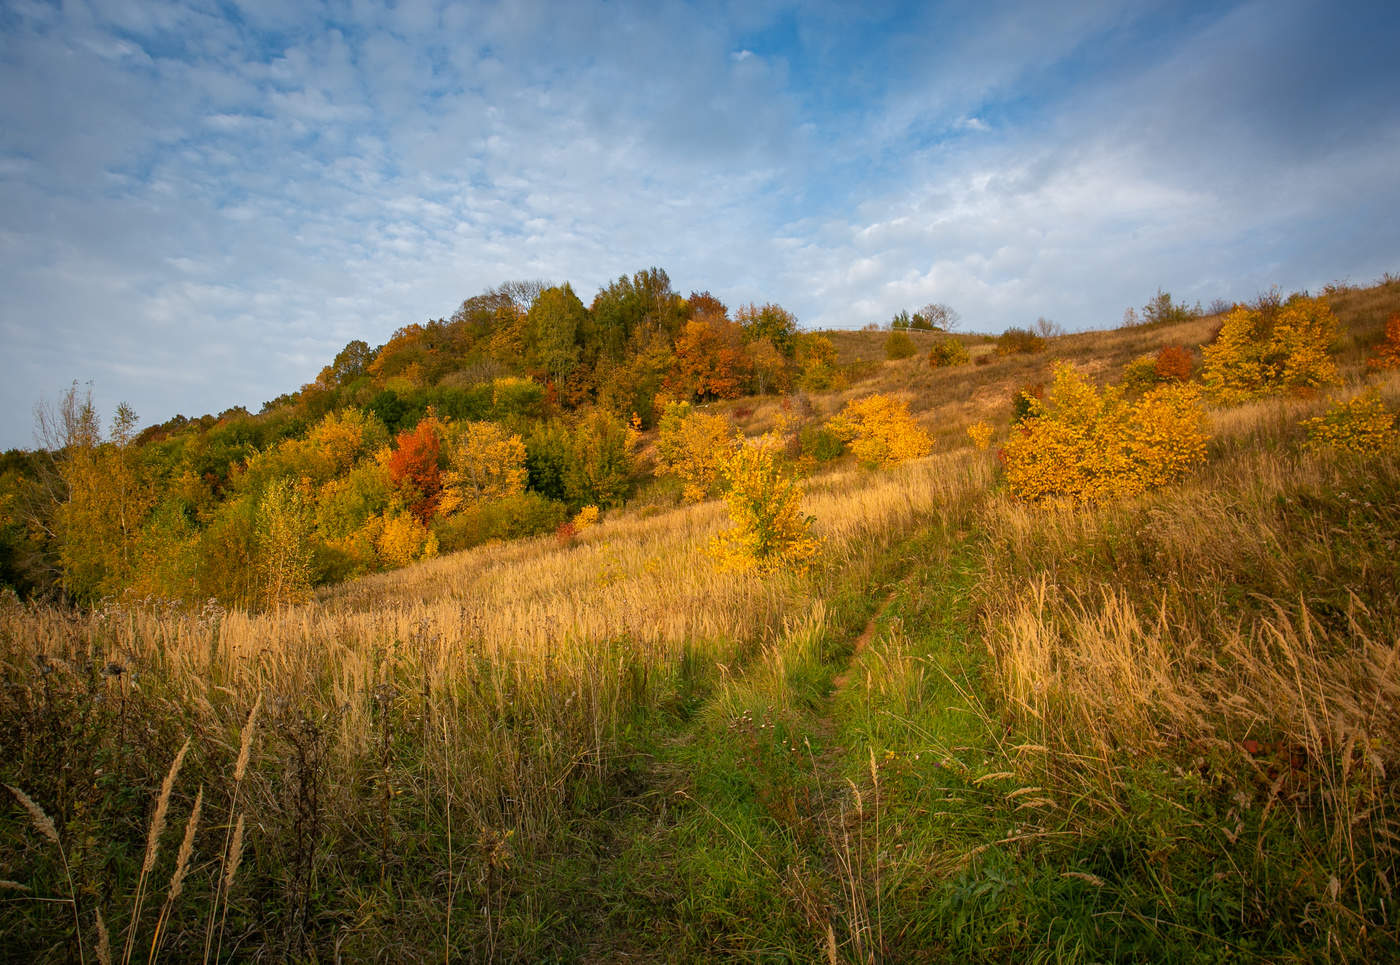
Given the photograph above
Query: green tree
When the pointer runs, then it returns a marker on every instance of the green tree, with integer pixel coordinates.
(555, 323)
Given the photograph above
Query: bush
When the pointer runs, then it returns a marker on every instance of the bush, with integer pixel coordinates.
(1163, 311)
(1140, 374)
(515, 517)
(981, 434)
(899, 345)
(692, 447)
(820, 443)
(947, 352)
(1361, 425)
(769, 531)
(1173, 364)
(1023, 400)
(1085, 445)
(1387, 354)
(880, 431)
(1016, 341)
(1271, 348)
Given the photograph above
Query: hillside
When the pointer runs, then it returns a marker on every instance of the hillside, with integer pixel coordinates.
(980, 725)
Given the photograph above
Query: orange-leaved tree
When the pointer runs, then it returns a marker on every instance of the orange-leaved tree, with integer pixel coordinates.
(414, 469)
(769, 531)
(880, 431)
(711, 360)
(1082, 444)
(1271, 348)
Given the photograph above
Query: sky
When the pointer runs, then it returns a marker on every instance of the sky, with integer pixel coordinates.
(201, 203)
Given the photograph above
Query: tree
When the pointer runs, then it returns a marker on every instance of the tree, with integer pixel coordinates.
(693, 446)
(414, 470)
(772, 322)
(484, 463)
(711, 362)
(600, 470)
(941, 316)
(349, 364)
(769, 531)
(103, 496)
(283, 535)
(555, 322)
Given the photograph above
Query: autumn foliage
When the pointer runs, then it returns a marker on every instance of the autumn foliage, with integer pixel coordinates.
(413, 468)
(1083, 444)
(768, 531)
(1387, 354)
(1271, 348)
(880, 431)
(693, 447)
(1360, 425)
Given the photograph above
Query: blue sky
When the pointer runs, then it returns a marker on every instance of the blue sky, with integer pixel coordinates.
(200, 203)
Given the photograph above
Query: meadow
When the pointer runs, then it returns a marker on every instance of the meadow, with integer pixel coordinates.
(1161, 727)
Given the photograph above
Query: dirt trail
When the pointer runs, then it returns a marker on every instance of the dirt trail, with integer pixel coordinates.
(862, 641)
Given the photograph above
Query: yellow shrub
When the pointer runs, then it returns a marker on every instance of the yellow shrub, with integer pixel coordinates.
(693, 446)
(769, 531)
(981, 434)
(1361, 425)
(587, 516)
(403, 539)
(1085, 445)
(1271, 349)
(880, 431)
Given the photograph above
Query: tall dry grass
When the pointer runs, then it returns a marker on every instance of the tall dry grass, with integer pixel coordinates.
(483, 692)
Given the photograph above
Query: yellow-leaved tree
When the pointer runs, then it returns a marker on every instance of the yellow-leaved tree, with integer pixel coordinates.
(1082, 444)
(769, 531)
(880, 431)
(283, 530)
(1271, 348)
(693, 447)
(484, 463)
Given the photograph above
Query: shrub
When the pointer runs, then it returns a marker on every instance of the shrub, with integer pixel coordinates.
(1271, 348)
(880, 431)
(1361, 425)
(692, 447)
(1173, 364)
(1140, 374)
(515, 517)
(1016, 341)
(1161, 310)
(1023, 400)
(947, 352)
(404, 539)
(769, 531)
(820, 443)
(1387, 355)
(981, 434)
(898, 345)
(1085, 445)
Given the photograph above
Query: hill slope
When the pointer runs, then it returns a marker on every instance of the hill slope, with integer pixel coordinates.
(1161, 728)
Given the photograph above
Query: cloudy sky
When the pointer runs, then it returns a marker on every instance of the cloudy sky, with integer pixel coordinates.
(200, 203)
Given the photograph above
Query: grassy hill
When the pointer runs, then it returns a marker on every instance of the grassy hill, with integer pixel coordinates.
(1160, 728)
